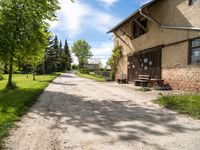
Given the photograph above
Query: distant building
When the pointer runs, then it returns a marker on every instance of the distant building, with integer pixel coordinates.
(91, 66)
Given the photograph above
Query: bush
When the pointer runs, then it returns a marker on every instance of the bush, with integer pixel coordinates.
(1, 76)
(17, 72)
(84, 71)
(74, 67)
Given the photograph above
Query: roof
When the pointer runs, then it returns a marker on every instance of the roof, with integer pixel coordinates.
(130, 16)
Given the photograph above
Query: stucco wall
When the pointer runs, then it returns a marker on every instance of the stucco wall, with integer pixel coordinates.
(168, 12)
(122, 67)
(176, 55)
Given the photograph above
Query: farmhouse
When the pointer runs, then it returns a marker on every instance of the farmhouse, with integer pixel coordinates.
(162, 39)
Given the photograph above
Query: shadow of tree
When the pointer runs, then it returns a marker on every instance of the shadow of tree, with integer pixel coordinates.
(66, 76)
(65, 84)
(124, 118)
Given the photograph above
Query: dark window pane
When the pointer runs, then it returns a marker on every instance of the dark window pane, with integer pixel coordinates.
(137, 29)
(196, 43)
(195, 56)
(194, 1)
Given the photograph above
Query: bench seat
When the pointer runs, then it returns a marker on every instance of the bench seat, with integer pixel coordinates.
(143, 80)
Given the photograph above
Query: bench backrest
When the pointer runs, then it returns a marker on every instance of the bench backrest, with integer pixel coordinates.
(144, 77)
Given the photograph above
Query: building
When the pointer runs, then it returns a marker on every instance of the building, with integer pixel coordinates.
(162, 39)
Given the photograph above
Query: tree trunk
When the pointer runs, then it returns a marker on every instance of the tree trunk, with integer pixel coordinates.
(34, 76)
(10, 84)
(6, 69)
(33, 72)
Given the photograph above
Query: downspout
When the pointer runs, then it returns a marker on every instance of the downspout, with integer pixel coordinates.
(167, 26)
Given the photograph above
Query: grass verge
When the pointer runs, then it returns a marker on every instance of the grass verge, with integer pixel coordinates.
(15, 103)
(89, 76)
(184, 104)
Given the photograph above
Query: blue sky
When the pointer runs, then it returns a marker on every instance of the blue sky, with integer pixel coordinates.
(90, 20)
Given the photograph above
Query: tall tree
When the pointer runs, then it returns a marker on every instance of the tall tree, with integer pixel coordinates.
(54, 56)
(68, 55)
(22, 22)
(50, 56)
(82, 50)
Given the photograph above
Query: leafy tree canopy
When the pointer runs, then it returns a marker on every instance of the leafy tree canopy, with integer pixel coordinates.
(22, 23)
(82, 50)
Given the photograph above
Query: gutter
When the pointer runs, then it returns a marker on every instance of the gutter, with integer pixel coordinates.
(167, 26)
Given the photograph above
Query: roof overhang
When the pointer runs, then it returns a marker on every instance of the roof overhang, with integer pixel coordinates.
(132, 15)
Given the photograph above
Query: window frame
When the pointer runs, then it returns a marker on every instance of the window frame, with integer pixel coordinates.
(141, 30)
(190, 48)
(190, 2)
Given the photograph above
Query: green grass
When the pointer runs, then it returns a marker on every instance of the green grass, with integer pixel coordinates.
(185, 104)
(89, 76)
(15, 103)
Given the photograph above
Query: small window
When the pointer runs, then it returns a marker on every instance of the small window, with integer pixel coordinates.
(192, 2)
(137, 29)
(195, 51)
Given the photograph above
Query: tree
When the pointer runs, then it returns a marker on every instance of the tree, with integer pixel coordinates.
(38, 52)
(53, 56)
(114, 59)
(23, 22)
(35, 60)
(68, 57)
(82, 51)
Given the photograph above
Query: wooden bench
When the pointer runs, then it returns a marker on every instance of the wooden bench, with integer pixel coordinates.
(143, 80)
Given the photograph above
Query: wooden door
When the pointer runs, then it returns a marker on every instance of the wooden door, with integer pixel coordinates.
(147, 62)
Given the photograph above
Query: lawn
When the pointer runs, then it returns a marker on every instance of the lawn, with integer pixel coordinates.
(90, 76)
(15, 103)
(185, 104)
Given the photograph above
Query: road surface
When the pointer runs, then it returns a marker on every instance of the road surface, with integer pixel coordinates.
(81, 114)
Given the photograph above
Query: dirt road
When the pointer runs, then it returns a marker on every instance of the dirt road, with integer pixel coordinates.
(81, 114)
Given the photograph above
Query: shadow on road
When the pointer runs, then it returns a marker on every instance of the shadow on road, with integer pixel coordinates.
(124, 118)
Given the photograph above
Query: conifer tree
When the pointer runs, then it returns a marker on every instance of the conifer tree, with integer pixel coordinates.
(68, 55)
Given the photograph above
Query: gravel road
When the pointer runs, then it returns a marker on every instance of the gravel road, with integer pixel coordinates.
(81, 114)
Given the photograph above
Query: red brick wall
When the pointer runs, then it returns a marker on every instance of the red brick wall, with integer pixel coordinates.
(179, 78)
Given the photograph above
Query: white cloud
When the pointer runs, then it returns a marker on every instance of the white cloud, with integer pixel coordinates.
(70, 17)
(103, 21)
(142, 2)
(108, 2)
(103, 51)
(74, 18)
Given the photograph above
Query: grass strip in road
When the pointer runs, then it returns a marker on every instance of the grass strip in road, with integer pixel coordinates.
(188, 104)
(15, 103)
(90, 76)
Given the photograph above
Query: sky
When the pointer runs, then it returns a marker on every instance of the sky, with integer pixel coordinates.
(90, 20)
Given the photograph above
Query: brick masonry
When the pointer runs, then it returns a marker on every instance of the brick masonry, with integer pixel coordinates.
(179, 78)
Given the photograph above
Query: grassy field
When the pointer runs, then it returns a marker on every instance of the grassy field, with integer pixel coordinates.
(88, 76)
(15, 103)
(184, 104)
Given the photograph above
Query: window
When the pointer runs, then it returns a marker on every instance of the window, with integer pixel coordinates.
(192, 2)
(194, 51)
(139, 27)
